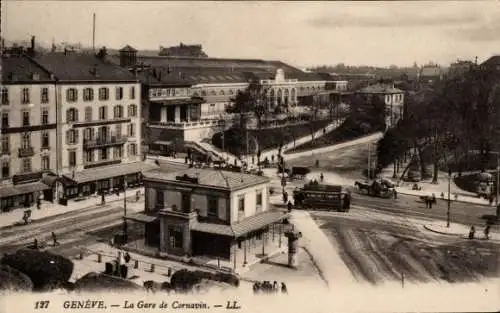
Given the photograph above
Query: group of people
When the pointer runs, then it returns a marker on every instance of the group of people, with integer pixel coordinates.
(37, 246)
(267, 287)
(472, 232)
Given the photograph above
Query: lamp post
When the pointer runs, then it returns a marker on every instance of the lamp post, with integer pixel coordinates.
(498, 179)
(125, 226)
(449, 200)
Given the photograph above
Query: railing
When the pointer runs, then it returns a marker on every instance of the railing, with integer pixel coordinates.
(98, 163)
(187, 124)
(103, 142)
(179, 213)
(26, 152)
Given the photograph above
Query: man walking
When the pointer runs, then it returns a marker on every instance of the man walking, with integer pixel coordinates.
(54, 239)
(487, 232)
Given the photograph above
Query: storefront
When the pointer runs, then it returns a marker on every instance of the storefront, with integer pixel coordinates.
(104, 180)
(22, 195)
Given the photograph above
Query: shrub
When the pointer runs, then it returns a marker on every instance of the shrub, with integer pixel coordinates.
(184, 280)
(96, 281)
(12, 279)
(227, 278)
(46, 270)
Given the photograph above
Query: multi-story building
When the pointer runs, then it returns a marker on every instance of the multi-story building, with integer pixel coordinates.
(28, 130)
(99, 123)
(203, 88)
(207, 212)
(391, 97)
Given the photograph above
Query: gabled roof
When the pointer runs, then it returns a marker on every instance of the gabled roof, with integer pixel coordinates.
(22, 69)
(210, 178)
(80, 67)
(127, 48)
(380, 89)
(492, 61)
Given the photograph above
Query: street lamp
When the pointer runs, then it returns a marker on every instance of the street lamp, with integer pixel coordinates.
(125, 226)
(449, 200)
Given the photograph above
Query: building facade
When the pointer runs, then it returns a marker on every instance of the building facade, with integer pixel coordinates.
(205, 212)
(98, 124)
(391, 97)
(28, 130)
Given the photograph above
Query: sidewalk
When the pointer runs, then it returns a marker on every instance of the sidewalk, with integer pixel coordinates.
(50, 209)
(314, 240)
(459, 230)
(440, 189)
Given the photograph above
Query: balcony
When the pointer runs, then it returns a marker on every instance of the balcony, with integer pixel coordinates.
(26, 152)
(101, 122)
(176, 212)
(104, 142)
(99, 163)
(187, 125)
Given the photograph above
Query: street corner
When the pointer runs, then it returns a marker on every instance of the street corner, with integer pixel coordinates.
(459, 230)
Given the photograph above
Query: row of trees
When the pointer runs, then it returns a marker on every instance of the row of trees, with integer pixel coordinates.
(460, 115)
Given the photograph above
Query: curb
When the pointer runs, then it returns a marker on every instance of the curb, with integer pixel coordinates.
(451, 200)
(261, 260)
(440, 232)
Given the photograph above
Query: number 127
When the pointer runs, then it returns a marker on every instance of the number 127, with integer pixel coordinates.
(42, 304)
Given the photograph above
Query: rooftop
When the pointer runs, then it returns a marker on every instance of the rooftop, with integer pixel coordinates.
(83, 67)
(209, 177)
(22, 69)
(380, 89)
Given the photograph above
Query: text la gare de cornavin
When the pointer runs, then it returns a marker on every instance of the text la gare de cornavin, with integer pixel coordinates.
(141, 304)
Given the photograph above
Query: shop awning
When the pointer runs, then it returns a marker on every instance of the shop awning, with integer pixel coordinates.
(257, 222)
(105, 172)
(141, 217)
(164, 143)
(9, 191)
(217, 229)
(49, 180)
(246, 226)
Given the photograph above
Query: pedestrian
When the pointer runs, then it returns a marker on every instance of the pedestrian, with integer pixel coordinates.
(35, 244)
(395, 193)
(317, 163)
(472, 231)
(487, 232)
(103, 200)
(253, 159)
(491, 199)
(117, 192)
(256, 287)
(285, 197)
(38, 203)
(275, 286)
(54, 239)
(289, 206)
(137, 195)
(186, 159)
(283, 288)
(321, 177)
(127, 257)
(272, 158)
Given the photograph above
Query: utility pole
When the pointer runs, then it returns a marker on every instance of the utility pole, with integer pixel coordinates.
(93, 33)
(369, 161)
(498, 178)
(125, 226)
(449, 199)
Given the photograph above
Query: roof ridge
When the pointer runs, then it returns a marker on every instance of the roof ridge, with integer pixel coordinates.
(225, 179)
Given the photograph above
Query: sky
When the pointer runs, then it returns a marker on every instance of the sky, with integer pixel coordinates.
(300, 33)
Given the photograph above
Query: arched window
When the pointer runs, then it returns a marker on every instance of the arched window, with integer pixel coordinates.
(231, 92)
(88, 114)
(221, 92)
(71, 115)
(203, 93)
(214, 93)
(132, 110)
(118, 111)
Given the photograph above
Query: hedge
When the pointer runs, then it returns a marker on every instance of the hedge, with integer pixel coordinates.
(12, 279)
(185, 280)
(46, 270)
(96, 281)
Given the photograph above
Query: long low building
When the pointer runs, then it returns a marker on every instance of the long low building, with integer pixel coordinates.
(185, 98)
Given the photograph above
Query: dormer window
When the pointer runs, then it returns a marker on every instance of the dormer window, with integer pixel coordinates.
(35, 76)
